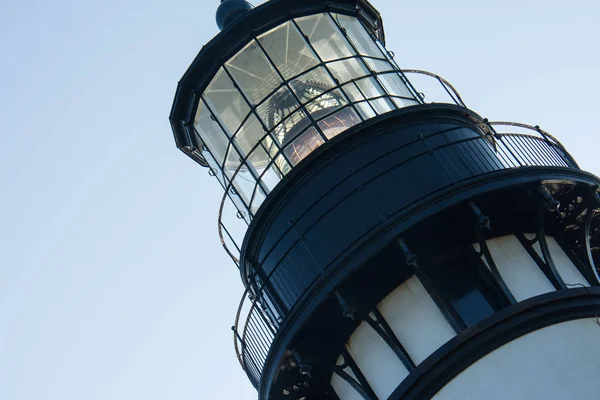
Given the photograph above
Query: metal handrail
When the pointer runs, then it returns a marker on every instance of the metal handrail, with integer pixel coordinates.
(445, 84)
(545, 135)
(563, 159)
(536, 128)
(241, 344)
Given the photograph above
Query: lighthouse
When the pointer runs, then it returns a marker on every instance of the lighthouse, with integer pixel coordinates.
(392, 244)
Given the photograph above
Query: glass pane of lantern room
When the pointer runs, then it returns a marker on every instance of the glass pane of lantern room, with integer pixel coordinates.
(249, 135)
(359, 36)
(394, 85)
(226, 102)
(379, 65)
(253, 72)
(277, 107)
(288, 50)
(312, 84)
(303, 145)
(325, 37)
(346, 70)
(337, 123)
(210, 133)
(291, 127)
(326, 103)
(370, 88)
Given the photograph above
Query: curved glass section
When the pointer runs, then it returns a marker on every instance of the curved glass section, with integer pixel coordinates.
(287, 92)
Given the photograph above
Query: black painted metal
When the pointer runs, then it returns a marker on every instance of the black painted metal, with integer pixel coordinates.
(447, 310)
(569, 230)
(502, 327)
(294, 209)
(356, 257)
(546, 262)
(552, 276)
(587, 229)
(376, 176)
(547, 256)
(485, 222)
(380, 325)
(360, 384)
(230, 10)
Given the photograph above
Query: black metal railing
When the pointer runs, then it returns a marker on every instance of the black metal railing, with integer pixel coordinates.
(233, 223)
(258, 320)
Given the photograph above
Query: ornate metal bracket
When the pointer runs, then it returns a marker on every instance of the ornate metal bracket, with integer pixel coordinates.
(411, 261)
(578, 230)
(348, 311)
(360, 384)
(587, 229)
(546, 263)
(482, 221)
(377, 321)
(380, 325)
(409, 257)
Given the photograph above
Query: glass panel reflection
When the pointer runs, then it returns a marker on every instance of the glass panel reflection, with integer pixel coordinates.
(253, 73)
(244, 182)
(394, 85)
(232, 161)
(353, 92)
(370, 88)
(312, 84)
(288, 50)
(274, 110)
(326, 103)
(325, 37)
(379, 65)
(210, 133)
(337, 123)
(303, 145)
(382, 105)
(290, 127)
(258, 198)
(226, 102)
(249, 135)
(346, 70)
(359, 37)
(366, 110)
(400, 103)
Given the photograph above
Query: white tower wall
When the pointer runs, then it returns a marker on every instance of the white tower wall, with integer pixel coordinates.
(422, 328)
(558, 362)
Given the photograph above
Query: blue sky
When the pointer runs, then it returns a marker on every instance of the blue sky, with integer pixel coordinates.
(112, 280)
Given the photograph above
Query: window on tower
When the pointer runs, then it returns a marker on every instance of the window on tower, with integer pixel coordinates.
(466, 286)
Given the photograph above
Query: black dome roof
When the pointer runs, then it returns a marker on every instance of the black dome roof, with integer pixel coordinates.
(230, 10)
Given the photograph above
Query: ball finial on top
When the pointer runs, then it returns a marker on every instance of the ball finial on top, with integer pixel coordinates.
(230, 10)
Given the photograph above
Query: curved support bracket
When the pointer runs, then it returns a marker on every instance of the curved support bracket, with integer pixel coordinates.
(383, 329)
(541, 235)
(588, 243)
(546, 263)
(376, 321)
(359, 384)
(485, 222)
(411, 261)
